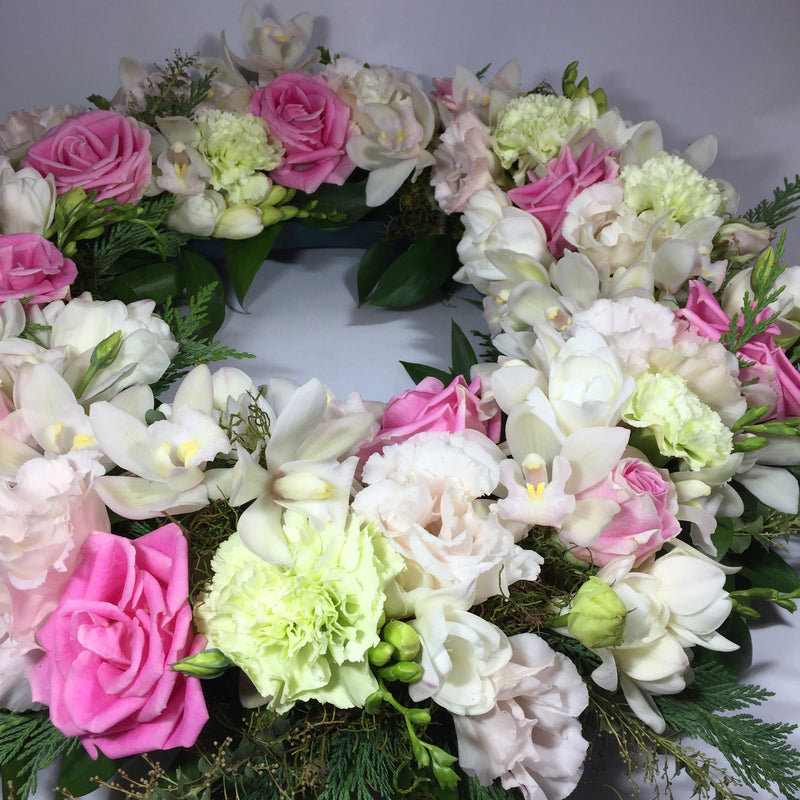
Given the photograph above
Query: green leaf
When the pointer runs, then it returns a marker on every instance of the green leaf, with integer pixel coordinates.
(198, 273)
(722, 538)
(372, 265)
(99, 101)
(422, 269)
(419, 371)
(762, 567)
(78, 771)
(462, 353)
(244, 258)
(735, 628)
(158, 282)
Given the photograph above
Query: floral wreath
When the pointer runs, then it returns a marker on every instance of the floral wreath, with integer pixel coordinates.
(268, 591)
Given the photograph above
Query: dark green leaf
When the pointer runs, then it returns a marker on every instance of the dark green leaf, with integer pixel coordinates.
(200, 272)
(99, 101)
(419, 371)
(244, 258)
(422, 269)
(462, 353)
(722, 538)
(157, 281)
(735, 628)
(78, 771)
(372, 265)
(762, 567)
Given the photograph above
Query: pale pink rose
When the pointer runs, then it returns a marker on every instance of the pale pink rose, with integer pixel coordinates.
(772, 368)
(464, 164)
(312, 124)
(433, 407)
(123, 618)
(547, 198)
(99, 150)
(31, 266)
(531, 739)
(648, 505)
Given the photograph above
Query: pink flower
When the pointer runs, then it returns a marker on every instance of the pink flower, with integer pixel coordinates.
(531, 739)
(313, 126)
(646, 517)
(772, 369)
(31, 266)
(98, 150)
(432, 407)
(547, 198)
(123, 618)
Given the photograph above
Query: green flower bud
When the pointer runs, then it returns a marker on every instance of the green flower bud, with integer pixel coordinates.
(277, 195)
(403, 671)
(597, 615)
(270, 215)
(403, 638)
(374, 703)
(749, 444)
(289, 211)
(207, 664)
(381, 654)
(418, 716)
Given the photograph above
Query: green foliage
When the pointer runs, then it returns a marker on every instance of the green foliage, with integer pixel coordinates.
(575, 91)
(782, 208)
(462, 357)
(758, 752)
(193, 349)
(245, 257)
(28, 743)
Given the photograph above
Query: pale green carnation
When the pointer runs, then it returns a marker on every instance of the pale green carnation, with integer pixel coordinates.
(235, 144)
(668, 185)
(531, 130)
(302, 631)
(682, 424)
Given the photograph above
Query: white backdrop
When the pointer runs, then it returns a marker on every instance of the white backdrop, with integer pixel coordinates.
(727, 67)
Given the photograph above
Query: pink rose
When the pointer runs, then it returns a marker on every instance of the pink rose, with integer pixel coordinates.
(31, 266)
(648, 504)
(123, 618)
(771, 369)
(547, 198)
(98, 150)
(313, 126)
(432, 407)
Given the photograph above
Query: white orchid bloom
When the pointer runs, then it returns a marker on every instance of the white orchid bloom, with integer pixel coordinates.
(183, 170)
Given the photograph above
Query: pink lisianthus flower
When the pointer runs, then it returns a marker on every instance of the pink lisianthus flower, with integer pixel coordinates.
(122, 620)
(98, 150)
(547, 198)
(312, 124)
(778, 381)
(31, 266)
(433, 407)
(647, 504)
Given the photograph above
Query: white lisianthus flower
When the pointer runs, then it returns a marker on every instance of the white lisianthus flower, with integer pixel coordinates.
(427, 493)
(196, 214)
(27, 200)
(531, 739)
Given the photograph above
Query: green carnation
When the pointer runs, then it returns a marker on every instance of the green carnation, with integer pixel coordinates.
(682, 424)
(668, 185)
(302, 630)
(531, 130)
(235, 144)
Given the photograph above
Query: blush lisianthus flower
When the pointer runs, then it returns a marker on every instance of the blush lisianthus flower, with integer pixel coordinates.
(432, 406)
(312, 124)
(531, 739)
(120, 623)
(682, 424)
(32, 267)
(300, 624)
(547, 198)
(235, 145)
(99, 150)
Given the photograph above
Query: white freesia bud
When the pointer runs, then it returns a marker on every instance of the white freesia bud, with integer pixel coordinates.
(196, 214)
(239, 222)
(27, 200)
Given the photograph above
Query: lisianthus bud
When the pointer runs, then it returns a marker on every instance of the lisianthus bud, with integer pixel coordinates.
(403, 638)
(597, 615)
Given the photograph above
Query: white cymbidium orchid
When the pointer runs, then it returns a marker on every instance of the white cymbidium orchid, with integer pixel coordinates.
(183, 171)
(310, 464)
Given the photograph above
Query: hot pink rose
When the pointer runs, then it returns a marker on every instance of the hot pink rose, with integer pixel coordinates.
(123, 618)
(547, 198)
(31, 266)
(432, 407)
(772, 368)
(313, 126)
(646, 518)
(98, 150)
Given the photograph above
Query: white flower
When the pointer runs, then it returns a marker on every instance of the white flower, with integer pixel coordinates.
(427, 493)
(196, 214)
(531, 739)
(239, 222)
(27, 200)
